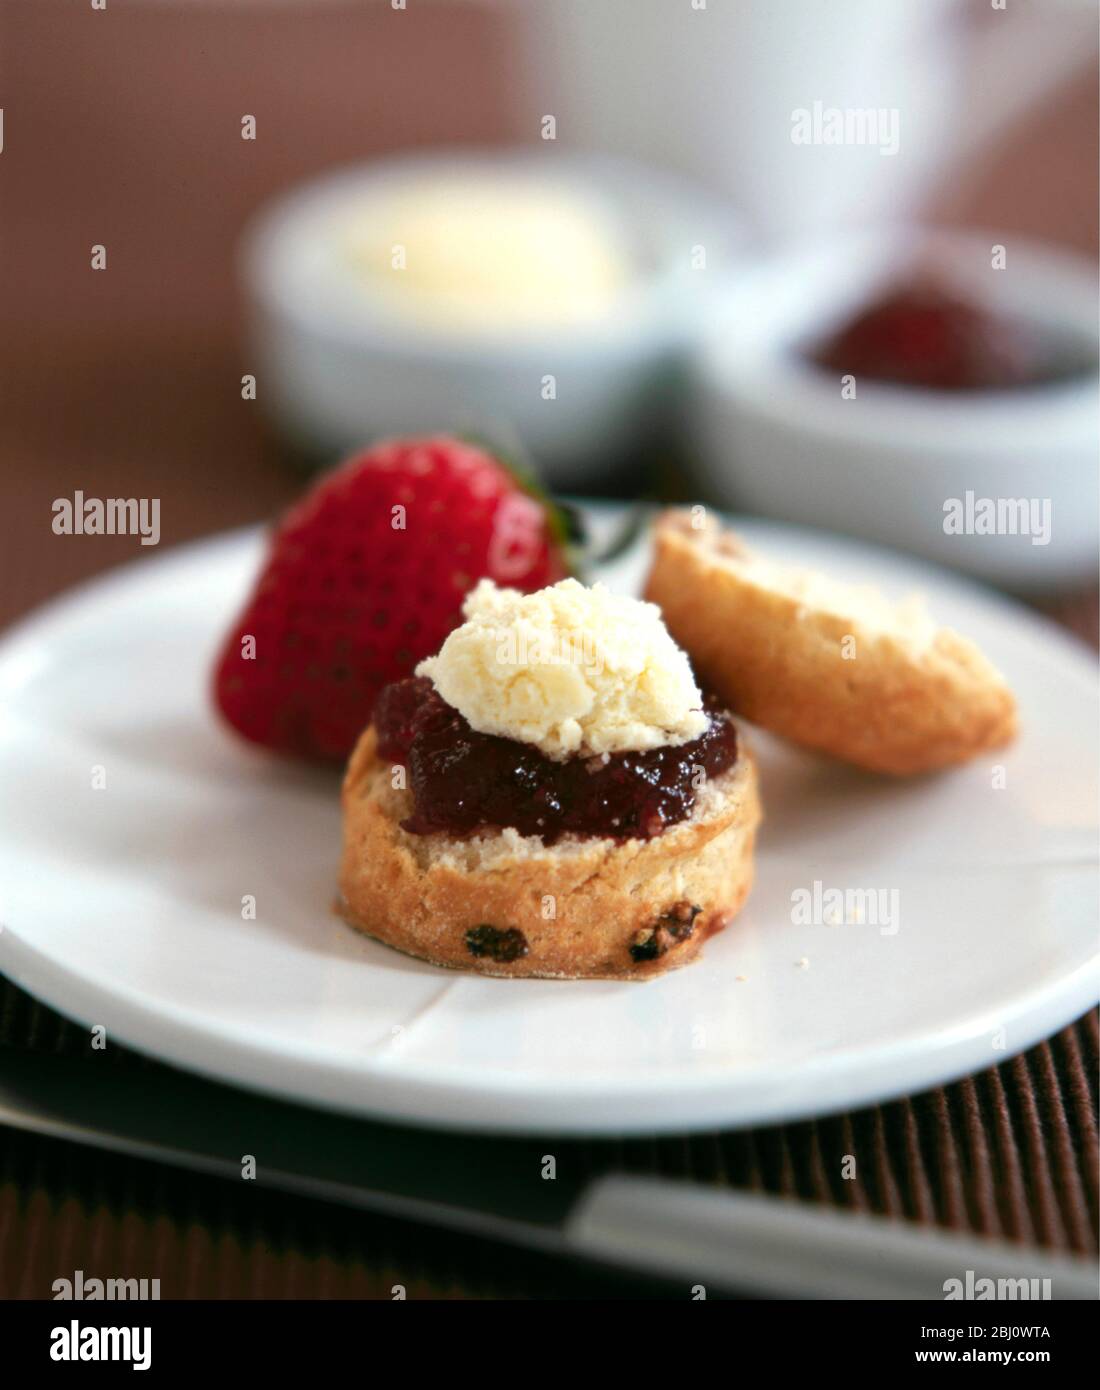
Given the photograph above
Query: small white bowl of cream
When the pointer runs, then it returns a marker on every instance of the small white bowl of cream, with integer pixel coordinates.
(545, 300)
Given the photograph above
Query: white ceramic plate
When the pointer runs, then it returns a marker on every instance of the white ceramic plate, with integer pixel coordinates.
(122, 905)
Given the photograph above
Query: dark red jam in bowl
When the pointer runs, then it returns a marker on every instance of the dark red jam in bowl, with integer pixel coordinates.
(922, 334)
(463, 781)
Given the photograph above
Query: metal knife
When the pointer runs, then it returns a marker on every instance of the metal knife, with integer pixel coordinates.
(517, 1190)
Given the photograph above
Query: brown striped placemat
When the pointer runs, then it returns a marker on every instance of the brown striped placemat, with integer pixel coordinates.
(1010, 1152)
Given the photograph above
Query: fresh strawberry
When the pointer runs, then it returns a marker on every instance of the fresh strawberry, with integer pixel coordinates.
(365, 577)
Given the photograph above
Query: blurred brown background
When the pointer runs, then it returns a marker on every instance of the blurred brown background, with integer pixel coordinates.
(122, 127)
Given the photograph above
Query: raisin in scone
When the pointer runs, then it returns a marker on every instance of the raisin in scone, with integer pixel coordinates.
(550, 796)
(835, 667)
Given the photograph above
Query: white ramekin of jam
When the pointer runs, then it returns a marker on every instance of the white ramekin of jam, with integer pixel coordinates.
(932, 390)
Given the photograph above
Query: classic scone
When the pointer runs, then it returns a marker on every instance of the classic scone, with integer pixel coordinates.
(549, 796)
(835, 667)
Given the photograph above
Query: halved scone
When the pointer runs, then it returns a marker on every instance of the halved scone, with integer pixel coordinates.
(507, 904)
(835, 667)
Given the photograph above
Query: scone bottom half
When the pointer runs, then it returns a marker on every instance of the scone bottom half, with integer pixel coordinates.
(500, 903)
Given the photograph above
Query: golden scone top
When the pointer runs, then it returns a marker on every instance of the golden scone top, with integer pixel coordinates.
(834, 666)
(906, 619)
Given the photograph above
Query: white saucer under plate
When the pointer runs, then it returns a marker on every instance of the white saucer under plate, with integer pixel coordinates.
(122, 905)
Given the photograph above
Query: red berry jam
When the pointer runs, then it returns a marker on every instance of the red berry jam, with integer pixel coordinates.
(463, 781)
(923, 335)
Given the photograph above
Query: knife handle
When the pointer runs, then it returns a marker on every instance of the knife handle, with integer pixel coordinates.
(788, 1249)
